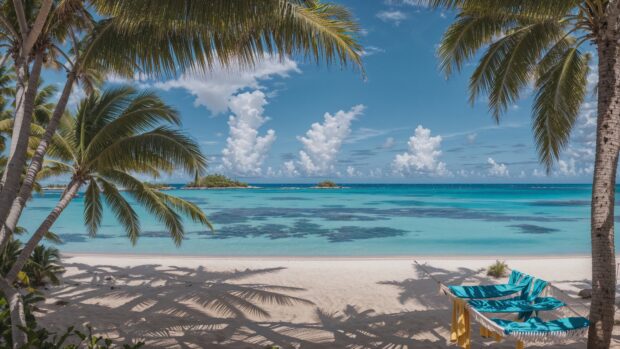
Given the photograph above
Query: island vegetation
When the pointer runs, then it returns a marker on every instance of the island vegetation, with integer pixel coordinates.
(159, 186)
(55, 187)
(327, 184)
(215, 181)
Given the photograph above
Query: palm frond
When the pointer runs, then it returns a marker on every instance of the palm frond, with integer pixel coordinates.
(123, 211)
(186, 208)
(162, 143)
(93, 209)
(561, 90)
(145, 111)
(148, 198)
(53, 168)
(532, 9)
(507, 66)
(96, 111)
(169, 37)
(53, 237)
(465, 37)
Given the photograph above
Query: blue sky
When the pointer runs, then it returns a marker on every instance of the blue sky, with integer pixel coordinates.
(404, 123)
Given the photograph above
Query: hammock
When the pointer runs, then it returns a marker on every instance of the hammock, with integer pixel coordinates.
(516, 305)
(524, 304)
(516, 283)
(556, 327)
(535, 326)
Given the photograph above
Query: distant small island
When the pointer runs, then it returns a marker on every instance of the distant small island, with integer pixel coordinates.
(55, 187)
(215, 181)
(327, 184)
(158, 186)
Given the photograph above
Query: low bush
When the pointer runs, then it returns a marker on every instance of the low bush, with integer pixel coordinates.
(498, 270)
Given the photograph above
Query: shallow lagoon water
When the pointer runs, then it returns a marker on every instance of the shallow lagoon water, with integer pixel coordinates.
(359, 220)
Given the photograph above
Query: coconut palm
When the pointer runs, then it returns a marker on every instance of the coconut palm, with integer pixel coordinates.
(43, 110)
(44, 266)
(115, 136)
(91, 38)
(547, 43)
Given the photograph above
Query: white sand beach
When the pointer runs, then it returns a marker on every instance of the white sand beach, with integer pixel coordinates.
(198, 302)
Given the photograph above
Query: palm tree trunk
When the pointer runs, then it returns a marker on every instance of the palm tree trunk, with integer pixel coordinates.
(65, 199)
(37, 27)
(21, 134)
(603, 196)
(37, 160)
(17, 314)
(16, 302)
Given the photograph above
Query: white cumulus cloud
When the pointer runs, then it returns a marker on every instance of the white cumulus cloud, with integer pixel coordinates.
(289, 169)
(394, 16)
(322, 142)
(422, 156)
(216, 87)
(245, 150)
(496, 169)
(389, 143)
(471, 138)
(352, 172)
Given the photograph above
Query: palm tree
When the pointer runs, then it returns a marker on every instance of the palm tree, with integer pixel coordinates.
(89, 39)
(44, 265)
(115, 136)
(43, 110)
(546, 42)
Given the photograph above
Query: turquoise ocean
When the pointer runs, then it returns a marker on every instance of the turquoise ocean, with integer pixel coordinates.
(358, 220)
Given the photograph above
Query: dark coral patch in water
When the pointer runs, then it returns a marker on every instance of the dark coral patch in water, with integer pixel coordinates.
(405, 203)
(533, 229)
(72, 237)
(288, 198)
(195, 200)
(244, 215)
(560, 203)
(156, 234)
(350, 233)
(303, 228)
(40, 208)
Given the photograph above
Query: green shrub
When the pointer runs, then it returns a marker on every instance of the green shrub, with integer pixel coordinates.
(498, 270)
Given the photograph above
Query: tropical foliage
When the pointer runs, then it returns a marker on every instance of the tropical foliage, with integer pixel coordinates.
(545, 44)
(44, 266)
(116, 136)
(88, 39)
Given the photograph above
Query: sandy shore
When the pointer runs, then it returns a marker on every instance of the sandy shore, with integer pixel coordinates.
(197, 302)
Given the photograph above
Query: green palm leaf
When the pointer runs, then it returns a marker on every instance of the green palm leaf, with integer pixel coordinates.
(561, 90)
(123, 211)
(160, 147)
(186, 208)
(193, 35)
(93, 209)
(506, 68)
(154, 204)
(464, 38)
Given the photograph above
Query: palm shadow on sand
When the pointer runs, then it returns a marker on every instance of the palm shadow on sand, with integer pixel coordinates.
(174, 307)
